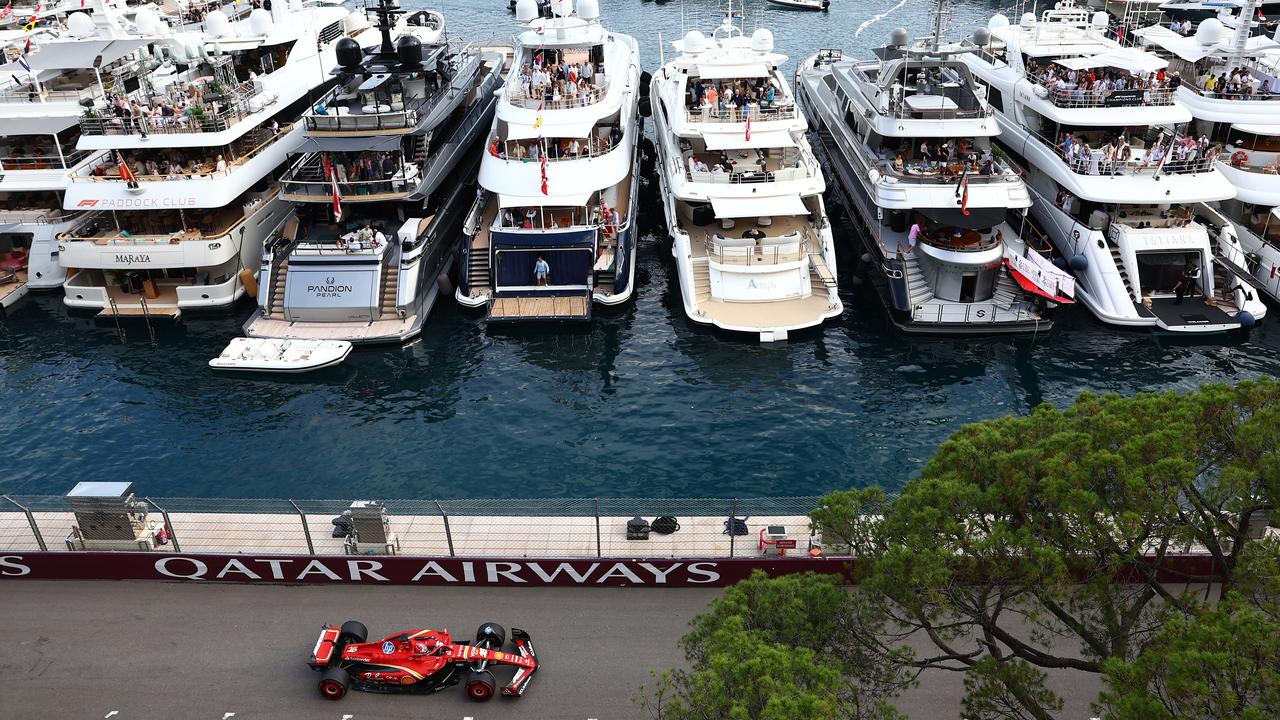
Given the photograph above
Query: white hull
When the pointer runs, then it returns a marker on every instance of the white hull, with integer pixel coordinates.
(279, 355)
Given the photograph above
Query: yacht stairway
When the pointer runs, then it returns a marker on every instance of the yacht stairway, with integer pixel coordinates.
(390, 283)
(275, 307)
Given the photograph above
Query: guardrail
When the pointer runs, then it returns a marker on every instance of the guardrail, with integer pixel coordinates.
(551, 528)
(237, 108)
(765, 251)
(594, 94)
(25, 94)
(68, 160)
(707, 114)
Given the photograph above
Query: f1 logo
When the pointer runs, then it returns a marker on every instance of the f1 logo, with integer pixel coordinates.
(88, 203)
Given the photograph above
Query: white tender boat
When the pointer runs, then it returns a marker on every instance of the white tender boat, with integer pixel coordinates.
(280, 355)
(803, 4)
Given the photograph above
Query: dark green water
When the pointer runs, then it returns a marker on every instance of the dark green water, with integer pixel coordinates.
(640, 403)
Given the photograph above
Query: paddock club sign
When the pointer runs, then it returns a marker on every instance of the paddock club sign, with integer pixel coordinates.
(402, 570)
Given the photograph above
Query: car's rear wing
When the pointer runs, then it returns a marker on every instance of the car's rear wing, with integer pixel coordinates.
(520, 682)
(326, 647)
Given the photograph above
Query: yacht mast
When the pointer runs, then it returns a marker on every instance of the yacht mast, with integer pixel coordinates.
(937, 27)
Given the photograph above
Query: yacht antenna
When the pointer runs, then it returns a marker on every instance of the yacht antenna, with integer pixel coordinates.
(1239, 43)
(937, 27)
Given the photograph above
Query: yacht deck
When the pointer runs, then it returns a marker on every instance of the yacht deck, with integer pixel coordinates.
(9, 286)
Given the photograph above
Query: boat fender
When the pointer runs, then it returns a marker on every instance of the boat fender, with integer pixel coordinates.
(866, 258)
(1061, 264)
(249, 281)
(873, 175)
(1040, 91)
(1079, 263)
(646, 106)
(645, 79)
(1246, 319)
(444, 283)
(1239, 158)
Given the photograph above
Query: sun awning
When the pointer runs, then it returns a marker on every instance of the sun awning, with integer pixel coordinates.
(1257, 129)
(737, 140)
(1184, 47)
(372, 143)
(40, 125)
(76, 54)
(1128, 59)
(725, 72)
(776, 206)
(575, 200)
(551, 130)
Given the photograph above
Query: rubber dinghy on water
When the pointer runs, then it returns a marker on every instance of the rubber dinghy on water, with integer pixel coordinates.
(280, 355)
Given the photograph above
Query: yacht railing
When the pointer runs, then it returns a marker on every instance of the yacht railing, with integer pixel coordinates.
(100, 227)
(784, 110)
(38, 217)
(806, 167)
(776, 250)
(1097, 162)
(24, 93)
(977, 313)
(902, 111)
(112, 173)
(355, 190)
(533, 100)
(406, 116)
(548, 219)
(196, 119)
(944, 173)
(587, 148)
(46, 162)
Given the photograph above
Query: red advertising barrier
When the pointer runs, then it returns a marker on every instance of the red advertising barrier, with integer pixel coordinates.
(404, 570)
(407, 570)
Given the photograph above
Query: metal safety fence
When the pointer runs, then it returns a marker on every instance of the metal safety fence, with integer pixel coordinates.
(512, 528)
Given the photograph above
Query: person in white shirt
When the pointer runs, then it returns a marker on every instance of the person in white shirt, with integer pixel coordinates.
(379, 239)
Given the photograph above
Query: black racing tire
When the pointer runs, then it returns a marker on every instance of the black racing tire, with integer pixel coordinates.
(334, 683)
(352, 631)
(480, 685)
(491, 630)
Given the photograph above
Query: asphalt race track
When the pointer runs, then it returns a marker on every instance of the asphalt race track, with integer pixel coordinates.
(186, 651)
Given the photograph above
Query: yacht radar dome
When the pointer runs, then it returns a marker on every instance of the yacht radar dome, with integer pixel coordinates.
(356, 21)
(1028, 20)
(899, 38)
(694, 42)
(1100, 20)
(526, 10)
(217, 24)
(982, 37)
(1210, 32)
(762, 40)
(409, 50)
(589, 9)
(147, 21)
(80, 24)
(562, 8)
(348, 52)
(998, 20)
(260, 22)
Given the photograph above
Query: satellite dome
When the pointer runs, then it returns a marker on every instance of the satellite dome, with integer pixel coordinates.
(1210, 32)
(998, 20)
(588, 9)
(409, 50)
(899, 38)
(1028, 20)
(694, 42)
(260, 22)
(762, 40)
(982, 37)
(147, 21)
(217, 24)
(356, 21)
(526, 10)
(80, 24)
(1100, 19)
(348, 52)
(563, 8)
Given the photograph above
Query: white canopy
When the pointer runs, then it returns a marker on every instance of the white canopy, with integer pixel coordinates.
(775, 206)
(1134, 61)
(737, 140)
(1258, 129)
(575, 200)
(550, 130)
(1189, 49)
(40, 125)
(76, 54)
(726, 72)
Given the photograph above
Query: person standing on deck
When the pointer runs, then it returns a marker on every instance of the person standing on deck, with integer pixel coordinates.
(541, 271)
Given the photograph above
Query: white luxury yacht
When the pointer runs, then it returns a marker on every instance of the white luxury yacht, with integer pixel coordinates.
(1232, 89)
(741, 188)
(1122, 191)
(199, 123)
(389, 151)
(910, 138)
(553, 231)
(46, 75)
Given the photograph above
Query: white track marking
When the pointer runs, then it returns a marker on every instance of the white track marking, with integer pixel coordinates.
(228, 715)
(113, 712)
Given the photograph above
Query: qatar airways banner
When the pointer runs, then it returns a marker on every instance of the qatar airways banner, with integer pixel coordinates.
(401, 570)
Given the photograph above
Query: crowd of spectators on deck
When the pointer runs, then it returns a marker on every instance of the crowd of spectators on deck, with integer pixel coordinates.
(180, 108)
(559, 84)
(555, 148)
(365, 167)
(1169, 153)
(716, 96)
(1242, 83)
(1091, 86)
(950, 158)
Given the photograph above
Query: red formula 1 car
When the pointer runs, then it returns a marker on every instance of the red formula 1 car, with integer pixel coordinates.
(420, 661)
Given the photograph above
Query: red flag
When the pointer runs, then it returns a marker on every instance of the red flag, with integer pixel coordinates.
(964, 197)
(125, 173)
(1274, 270)
(544, 171)
(333, 183)
(747, 110)
(7, 9)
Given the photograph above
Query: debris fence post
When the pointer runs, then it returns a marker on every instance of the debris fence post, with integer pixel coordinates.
(448, 534)
(599, 551)
(733, 526)
(168, 526)
(306, 528)
(31, 519)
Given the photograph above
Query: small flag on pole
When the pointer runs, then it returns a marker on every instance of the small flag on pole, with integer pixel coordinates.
(543, 157)
(125, 173)
(333, 183)
(964, 198)
(746, 109)
(25, 65)
(8, 9)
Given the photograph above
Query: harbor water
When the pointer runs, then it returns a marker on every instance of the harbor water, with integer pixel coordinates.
(640, 402)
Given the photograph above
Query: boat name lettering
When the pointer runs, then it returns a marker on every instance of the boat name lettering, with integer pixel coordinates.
(135, 203)
(330, 288)
(769, 285)
(130, 259)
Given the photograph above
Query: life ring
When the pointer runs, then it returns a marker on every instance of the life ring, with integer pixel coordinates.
(1239, 158)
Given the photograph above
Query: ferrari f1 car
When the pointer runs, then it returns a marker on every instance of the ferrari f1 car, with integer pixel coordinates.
(420, 661)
